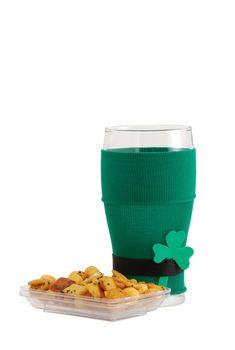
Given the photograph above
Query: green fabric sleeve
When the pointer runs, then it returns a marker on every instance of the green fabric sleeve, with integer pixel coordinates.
(146, 194)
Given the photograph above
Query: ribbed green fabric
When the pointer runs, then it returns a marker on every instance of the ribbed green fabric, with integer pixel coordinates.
(147, 194)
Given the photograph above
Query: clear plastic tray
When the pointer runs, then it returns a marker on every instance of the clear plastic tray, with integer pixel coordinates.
(99, 308)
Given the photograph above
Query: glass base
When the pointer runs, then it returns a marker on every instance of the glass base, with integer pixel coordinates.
(174, 300)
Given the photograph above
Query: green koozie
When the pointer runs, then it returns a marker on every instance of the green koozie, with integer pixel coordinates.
(148, 197)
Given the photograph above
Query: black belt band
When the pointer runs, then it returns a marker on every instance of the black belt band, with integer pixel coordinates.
(145, 267)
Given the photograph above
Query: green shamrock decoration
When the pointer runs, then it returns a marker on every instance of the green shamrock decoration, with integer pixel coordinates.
(173, 250)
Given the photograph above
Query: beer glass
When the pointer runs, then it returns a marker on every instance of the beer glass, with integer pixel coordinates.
(148, 177)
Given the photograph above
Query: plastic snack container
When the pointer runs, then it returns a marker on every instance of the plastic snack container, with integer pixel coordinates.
(99, 308)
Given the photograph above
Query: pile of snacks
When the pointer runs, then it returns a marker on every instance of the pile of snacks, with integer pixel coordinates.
(92, 282)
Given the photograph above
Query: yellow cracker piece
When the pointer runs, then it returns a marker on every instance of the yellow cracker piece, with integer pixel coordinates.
(119, 283)
(133, 281)
(74, 276)
(76, 289)
(45, 286)
(94, 278)
(119, 275)
(141, 287)
(91, 270)
(48, 278)
(151, 290)
(130, 292)
(82, 274)
(120, 278)
(36, 284)
(107, 283)
(155, 287)
(114, 293)
(40, 283)
(95, 290)
(97, 277)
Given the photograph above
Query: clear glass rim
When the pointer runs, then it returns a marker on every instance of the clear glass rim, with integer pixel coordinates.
(148, 128)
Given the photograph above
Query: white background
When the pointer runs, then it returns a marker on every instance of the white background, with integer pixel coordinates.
(67, 70)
